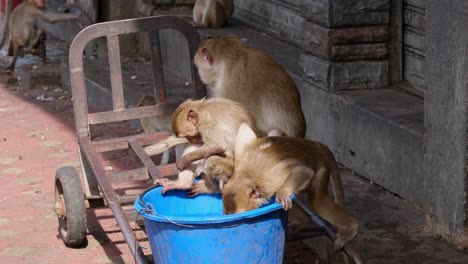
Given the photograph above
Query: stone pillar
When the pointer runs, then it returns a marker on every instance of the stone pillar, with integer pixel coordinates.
(345, 43)
(446, 116)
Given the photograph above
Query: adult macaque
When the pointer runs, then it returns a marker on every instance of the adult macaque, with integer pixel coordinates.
(24, 27)
(212, 125)
(283, 166)
(212, 13)
(253, 79)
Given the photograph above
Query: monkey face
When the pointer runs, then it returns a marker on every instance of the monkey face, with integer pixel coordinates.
(39, 3)
(238, 197)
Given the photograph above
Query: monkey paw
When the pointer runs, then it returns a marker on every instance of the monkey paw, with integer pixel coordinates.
(285, 201)
(182, 164)
(174, 185)
(160, 182)
(198, 188)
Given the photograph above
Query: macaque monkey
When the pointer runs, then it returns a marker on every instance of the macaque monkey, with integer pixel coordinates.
(253, 79)
(158, 123)
(283, 166)
(153, 124)
(24, 26)
(212, 13)
(212, 125)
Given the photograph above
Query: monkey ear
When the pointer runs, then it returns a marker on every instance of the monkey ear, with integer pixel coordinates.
(192, 117)
(245, 136)
(207, 56)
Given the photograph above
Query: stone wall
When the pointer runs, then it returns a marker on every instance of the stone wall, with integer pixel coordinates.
(345, 42)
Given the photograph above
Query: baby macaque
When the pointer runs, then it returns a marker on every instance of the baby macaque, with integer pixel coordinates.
(212, 13)
(212, 126)
(24, 27)
(253, 79)
(283, 166)
(185, 177)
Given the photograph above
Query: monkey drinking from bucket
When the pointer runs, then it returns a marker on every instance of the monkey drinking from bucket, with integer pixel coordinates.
(283, 166)
(212, 125)
(25, 30)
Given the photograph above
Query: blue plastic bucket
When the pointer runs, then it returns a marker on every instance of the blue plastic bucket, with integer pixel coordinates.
(195, 230)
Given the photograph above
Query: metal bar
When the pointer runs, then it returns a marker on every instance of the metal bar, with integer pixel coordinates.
(129, 175)
(149, 164)
(80, 102)
(122, 142)
(309, 233)
(132, 113)
(329, 230)
(156, 62)
(115, 68)
(112, 199)
(127, 199)
(168, 170)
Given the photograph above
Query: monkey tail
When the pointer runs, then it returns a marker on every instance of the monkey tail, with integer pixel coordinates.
(15, 56)
(335, 179)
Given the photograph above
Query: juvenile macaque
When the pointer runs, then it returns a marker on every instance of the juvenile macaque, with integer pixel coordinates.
(24, 27)
(283, 166)
(212, 125)
(156, 124)
(253, 79)
(153, 124)
(212, 13)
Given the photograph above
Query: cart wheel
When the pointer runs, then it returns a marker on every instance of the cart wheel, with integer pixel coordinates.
(70, 206)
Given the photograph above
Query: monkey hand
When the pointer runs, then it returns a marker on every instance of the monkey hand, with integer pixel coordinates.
(285, 201)
(160, 182)
(182, 164)
(198, 188)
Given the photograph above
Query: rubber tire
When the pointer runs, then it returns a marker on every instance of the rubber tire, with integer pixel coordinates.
(72, 228)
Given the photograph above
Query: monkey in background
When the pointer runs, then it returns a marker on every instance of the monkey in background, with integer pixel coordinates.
(283, 166)
(212, 126)
(25, 31)
(253, 79)
(155, 124)
(212, 13)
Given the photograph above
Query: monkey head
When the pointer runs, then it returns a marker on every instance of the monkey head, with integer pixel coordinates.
(146, 100)
(240, 195)
(212, 51)
(38, 3)
(185, 123)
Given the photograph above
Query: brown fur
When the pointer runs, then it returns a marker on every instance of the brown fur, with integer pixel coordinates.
(154, 123)
(255, 80)
(24, 28)
(213, 125)
(283, 166)
(212, 13)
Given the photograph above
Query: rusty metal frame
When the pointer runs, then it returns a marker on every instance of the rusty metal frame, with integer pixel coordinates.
(89, 149)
